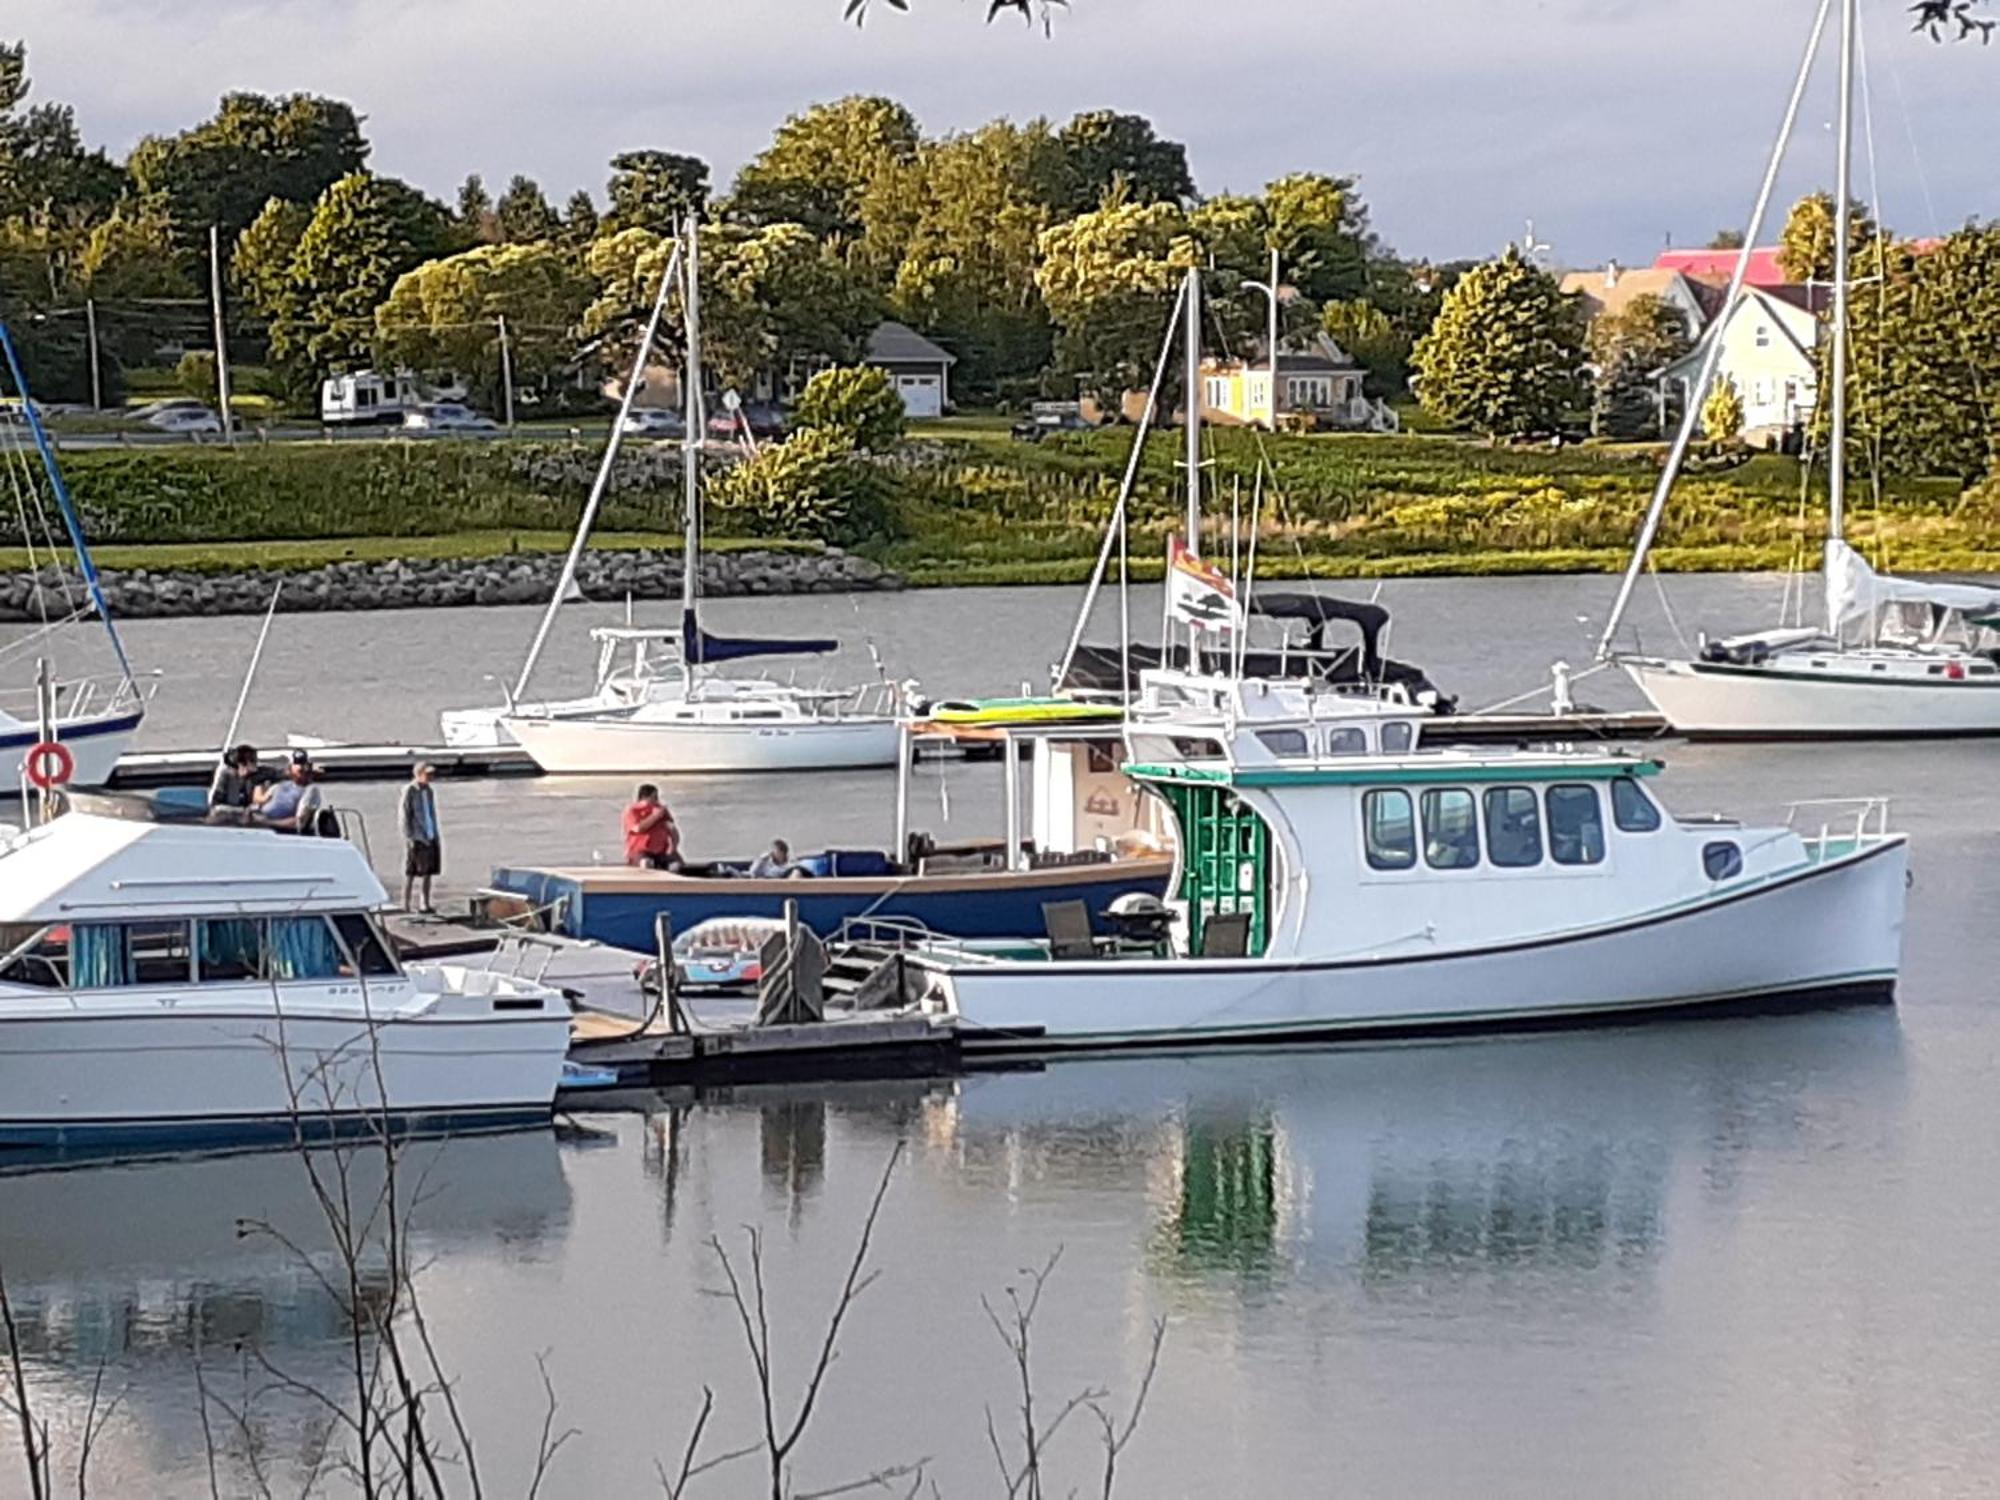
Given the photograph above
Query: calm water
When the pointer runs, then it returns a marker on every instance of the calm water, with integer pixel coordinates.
(1736, 1257)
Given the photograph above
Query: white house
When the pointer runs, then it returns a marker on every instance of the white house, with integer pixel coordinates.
(1613, 289)
(1768, 339)
(920, 369)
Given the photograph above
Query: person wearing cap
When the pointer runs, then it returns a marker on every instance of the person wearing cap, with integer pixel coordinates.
(423, 856)
(291, 805)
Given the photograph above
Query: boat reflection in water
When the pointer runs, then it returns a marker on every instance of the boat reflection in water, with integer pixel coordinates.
(141, 1270)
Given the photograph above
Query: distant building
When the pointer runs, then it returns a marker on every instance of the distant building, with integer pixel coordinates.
(1718, 266)
(920, 369)
(1319, 382)
(1768, 343)
(1614, 289)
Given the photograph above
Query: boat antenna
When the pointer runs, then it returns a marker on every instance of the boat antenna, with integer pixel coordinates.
(1690, 417)
(1115, 535)
(250, 674)
(71, 524)
(691, 441)
(1836, 457)
(633, 383)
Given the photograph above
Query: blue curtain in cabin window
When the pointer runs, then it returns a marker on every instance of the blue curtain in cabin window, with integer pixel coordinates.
(230, 949)
(99, 956)
(303, 948)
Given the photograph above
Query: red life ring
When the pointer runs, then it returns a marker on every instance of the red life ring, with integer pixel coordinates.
(49, 764)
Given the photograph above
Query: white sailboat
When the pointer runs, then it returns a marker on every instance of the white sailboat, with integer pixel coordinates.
(94, 719)
(1892, 656)
(670, 710)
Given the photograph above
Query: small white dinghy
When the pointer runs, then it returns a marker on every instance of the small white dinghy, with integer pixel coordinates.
(177, 983)
(1329, 885)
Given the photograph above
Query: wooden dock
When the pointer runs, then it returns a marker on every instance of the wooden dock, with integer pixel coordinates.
(900, 1045)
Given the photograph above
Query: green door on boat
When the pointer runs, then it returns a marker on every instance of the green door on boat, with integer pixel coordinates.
(1225, 859)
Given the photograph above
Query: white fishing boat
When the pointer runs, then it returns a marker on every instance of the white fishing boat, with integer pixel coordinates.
(186, 982)
(1333, 879)
(668, 707)
(1891, 656)
(93, 718)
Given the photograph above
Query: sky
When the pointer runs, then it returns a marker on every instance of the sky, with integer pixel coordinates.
(1614, 125)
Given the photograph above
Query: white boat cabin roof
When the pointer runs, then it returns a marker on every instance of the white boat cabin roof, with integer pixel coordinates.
(115, 861)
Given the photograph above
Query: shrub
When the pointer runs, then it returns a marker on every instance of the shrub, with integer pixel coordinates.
(857, 400)
(812, 486)
(195, 374)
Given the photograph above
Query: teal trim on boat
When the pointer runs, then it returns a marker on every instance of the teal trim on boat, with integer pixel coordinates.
(1404, 775)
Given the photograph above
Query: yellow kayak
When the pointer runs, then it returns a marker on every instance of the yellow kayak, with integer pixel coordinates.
(1022, 711)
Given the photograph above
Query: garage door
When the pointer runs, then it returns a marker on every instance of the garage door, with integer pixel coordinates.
(923, 395)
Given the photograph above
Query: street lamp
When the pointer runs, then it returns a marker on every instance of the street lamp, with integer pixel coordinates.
(1270, 290)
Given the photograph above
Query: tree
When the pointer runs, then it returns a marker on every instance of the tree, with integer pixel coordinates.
(1628, 348)
(444, 315)
(260, 267)
(1505, 357)
(1924, 376)
(1722, 412)
(129, 256)
(652, 189)
(524, 215)
(44, 166)
(1106, 151)
(1109, 279)
(224, 170)
(1805, 249)
(1368, 334)
(819, 164)
(1319, 227)
(580, 218)
(475, 210)
(365, 232)
(1726, 239)
(813, 486)
(857, 400)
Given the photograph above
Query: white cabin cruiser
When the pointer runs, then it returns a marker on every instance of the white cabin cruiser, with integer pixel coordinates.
(1333, 879)
(182, 982)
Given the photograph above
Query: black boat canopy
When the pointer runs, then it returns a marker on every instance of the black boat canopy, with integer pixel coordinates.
(697, 645)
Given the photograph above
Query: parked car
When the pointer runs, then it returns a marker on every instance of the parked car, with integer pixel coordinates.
(766, 419)
(654, 422)
(153, 409)
(1045, 417)
(190, 420)
(446, 416)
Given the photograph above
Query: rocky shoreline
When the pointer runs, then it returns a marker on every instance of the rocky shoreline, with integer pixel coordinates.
(518, 578)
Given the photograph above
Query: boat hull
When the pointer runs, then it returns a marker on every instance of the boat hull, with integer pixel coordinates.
(1717, 700)
(620, 907)
(639, 746)
(1831, 930)
(102, 1075)
(94, 743)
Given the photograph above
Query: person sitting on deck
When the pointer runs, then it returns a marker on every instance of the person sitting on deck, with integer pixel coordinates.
(291, 805)
(776, 864)
(652, 839)
(237, 781)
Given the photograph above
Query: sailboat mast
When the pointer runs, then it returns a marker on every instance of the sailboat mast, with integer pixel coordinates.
(691, 443)
(1842, 215)
(1192, 424)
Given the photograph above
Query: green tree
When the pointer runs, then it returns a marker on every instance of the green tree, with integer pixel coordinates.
(1319, 226)
(256, 148)
(475, 210)
(1109, 278)
(365, 232)
(524, 215)
(579, 218)
(1628, 348)
(1107, 151)
(129, 256)
(1924, 374)
(1722, 412)
(194, 375)
(652, 189)
(818, 166)
(444, 315)
(260, 267)
(813, 486)
(1377, 345)
(1726, 239)
(1505, 357)
(1805, 248)
(856, 400)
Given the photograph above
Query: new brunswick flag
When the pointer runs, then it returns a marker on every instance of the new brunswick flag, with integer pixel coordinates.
(1198, 593)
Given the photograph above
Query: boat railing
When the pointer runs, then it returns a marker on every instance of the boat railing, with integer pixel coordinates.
(354, 828)
(900, 932)
(82, 697)
(1826, 822)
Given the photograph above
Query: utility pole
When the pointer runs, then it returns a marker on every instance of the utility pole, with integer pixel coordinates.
(90, 328)
(1272, 350)
(506, 371)
(221, 342)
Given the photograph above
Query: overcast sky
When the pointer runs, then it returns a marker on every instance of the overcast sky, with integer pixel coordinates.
(1611, 123)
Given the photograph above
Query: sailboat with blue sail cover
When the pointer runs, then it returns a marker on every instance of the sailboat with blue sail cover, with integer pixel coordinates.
(93, 718)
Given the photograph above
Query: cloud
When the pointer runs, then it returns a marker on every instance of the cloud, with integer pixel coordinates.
(1610, 123)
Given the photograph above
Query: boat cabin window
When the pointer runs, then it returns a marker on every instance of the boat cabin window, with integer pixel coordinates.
(366, 950)
(1722, 860)
(1389, 830)
(1397, 736)
(1346, 740)
(34, 955)
(1165, 749)
(1631, 809)
(1284, 741)
(304, 948)
(1576, 824)
(231, 949)
(1513, 827)
(1451, 829)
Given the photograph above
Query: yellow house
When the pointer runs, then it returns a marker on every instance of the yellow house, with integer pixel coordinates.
(1319, 383)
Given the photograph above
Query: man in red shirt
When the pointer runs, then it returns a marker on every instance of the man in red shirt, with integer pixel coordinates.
(652, 840)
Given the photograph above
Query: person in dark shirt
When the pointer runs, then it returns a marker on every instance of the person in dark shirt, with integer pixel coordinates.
(236, 782)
